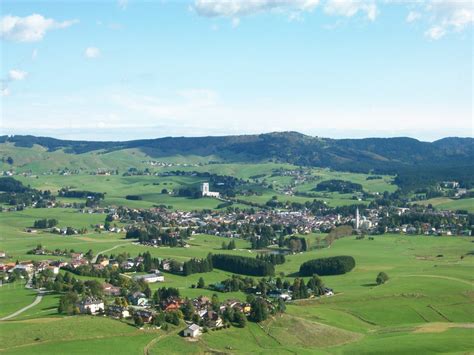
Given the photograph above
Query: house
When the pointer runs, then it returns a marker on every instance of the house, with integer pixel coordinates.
(54, 269)
(205, 191)
(150, 278)
(192, 331)
(3, 254)
(138, 299)
(213, 319)
(104, 262)
(118, 312)
(111, 290)
(328, 291)
(90, 305)
(285, 296)
(173, 305)
(146, 316)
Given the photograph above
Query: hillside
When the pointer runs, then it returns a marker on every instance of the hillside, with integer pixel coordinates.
(448, 158)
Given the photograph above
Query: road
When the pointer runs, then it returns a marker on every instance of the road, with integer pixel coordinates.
(37, 300)
(94, 259)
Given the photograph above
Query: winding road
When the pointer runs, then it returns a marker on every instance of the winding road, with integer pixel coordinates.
(94, 259)
(37, 300)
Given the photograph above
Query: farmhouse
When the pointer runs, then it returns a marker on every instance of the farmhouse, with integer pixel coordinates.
(192, 331)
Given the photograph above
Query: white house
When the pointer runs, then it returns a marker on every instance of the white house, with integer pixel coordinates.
(205, 191)
(94, 306)
(150, 278)
(192, 331)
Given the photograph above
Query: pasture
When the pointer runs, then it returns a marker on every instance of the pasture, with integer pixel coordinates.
(428, 300)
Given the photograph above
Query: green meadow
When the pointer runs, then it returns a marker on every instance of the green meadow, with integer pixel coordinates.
(427, 306)
(428, 300)
(446, 203)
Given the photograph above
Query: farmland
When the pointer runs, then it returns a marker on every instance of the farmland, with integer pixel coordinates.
(428, 300)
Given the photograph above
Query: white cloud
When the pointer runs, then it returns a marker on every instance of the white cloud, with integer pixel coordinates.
(236, 8)
(16, 74)
(5, 92)
(447, 16)
(349, 8)
(412, 16)
(92, 52)
(30, 28)
(435, 32)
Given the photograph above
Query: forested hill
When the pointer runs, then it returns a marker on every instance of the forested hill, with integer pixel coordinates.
(446, 157)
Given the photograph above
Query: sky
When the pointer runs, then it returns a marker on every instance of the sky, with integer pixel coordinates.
(121, 70)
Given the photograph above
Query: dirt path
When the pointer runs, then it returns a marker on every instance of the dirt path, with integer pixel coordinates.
(37, 300)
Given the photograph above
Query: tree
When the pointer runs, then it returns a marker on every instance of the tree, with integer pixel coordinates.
(94, 288)
(147, 291)
(228, 314)
(67, 303)
(279, 283)
(259, 310)
(316, 285)
(215, 303)
(382, 277)
(240, 319)
(281, 306)
(201, 283)
(188, 309)
(138, 321)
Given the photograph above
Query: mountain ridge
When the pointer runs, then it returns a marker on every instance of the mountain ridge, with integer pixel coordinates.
(450, 157)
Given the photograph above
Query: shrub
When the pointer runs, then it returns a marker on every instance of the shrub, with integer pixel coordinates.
(134, 197)
(335, 265)
(382, 277)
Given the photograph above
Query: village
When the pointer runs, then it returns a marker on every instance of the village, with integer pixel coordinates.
(126, 295)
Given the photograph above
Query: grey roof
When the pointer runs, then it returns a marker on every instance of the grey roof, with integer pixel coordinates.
(193, 327)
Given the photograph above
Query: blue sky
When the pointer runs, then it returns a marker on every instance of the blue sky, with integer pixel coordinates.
(132, 69)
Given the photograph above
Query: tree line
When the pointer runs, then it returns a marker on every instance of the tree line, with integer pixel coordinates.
(334, 265)
(242, 265)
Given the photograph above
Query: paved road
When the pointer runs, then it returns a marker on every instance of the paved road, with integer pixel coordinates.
(94, 259)
(37, 300)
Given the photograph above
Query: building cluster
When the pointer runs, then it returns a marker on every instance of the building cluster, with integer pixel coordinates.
(205, 312)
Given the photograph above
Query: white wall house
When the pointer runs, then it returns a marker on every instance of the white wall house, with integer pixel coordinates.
(192, 331)
(94, 306)
(150, 278)
(205, 191)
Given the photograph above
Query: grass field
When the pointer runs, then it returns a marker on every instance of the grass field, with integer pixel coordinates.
(428, 301)
(446, 203)
(116, 187)
(427, 306)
